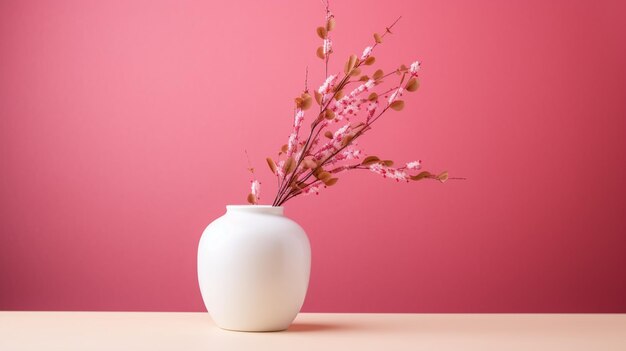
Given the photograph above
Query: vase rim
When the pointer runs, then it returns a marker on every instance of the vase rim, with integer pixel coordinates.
(269, 209)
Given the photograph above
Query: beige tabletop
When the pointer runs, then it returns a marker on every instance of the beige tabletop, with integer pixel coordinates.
(313, 331)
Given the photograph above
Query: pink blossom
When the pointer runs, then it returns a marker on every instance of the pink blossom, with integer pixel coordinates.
(388, 172)
(255, 189)
(324, 150)
(415, 66)
(399, 175)
(378, 168)
(414, 165)
(293, 137)
(341, 132)
(328, 148)
(280, 169)
(291, 144)
(297, 122)
(366, 53)
(345, 155)
(349, 104)
(351, 154)
(396, 94)
(363, 87)
(327, 87)
(328, 46)
(346, 100)
(351, 109)
(371, 109)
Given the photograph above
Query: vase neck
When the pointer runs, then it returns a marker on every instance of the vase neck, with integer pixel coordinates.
(260, 209)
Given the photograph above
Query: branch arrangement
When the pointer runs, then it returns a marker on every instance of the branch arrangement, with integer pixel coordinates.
(347, 107)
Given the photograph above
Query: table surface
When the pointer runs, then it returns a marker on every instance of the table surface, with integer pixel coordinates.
(313, 331)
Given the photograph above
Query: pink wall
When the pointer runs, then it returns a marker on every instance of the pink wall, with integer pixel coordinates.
(123, 126)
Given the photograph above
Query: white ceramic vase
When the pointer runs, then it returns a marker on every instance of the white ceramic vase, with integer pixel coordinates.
(253, 268)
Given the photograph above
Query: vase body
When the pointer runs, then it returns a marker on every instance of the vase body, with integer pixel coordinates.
(253, 268)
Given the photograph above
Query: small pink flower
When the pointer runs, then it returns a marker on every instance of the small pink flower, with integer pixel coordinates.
(396, 94)
(351, 109)
(414, 165)
(291, 144)
(387, 172)
(280, 172)
(366, 53)
(341, 132)
(298, 118)
(351, 154)
(327, 87)
(350, 104)
(371, 109)
(415, 66)
(377, 168)
(399, 175)
(255, 189)
(361, 88)
(328, 46)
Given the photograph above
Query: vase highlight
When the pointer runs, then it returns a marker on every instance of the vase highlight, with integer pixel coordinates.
(253, 268)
